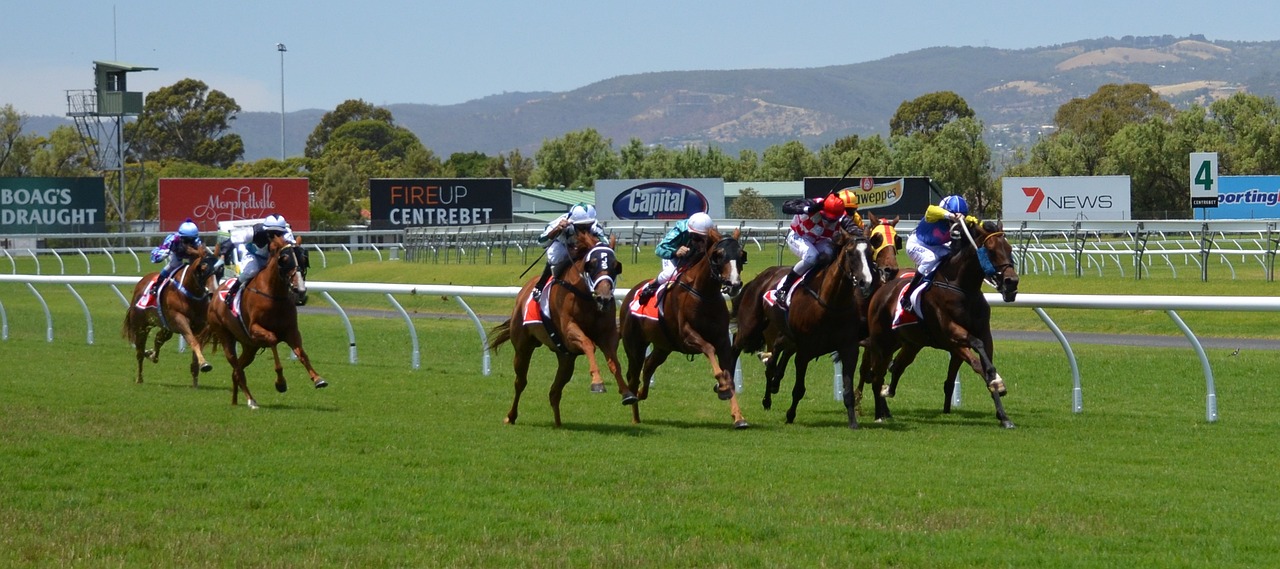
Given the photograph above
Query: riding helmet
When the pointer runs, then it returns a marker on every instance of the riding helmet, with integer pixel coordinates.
(955, 204)
(699, 223)
(582, 214)
(188, 229)
(832, 207)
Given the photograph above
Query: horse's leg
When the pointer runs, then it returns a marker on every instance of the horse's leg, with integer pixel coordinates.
(901, 361)
(610, 351)
(798, 389)
(724, 382)
(182, 324)
(281, 385)
(162, 336)
(597, 382)
(773, 372)
(564, 373)
(240, 381)
(848, 362)
(140, 344)
(949, 386)
(521, 365)
(294, 340)
(651, 363)
(195, 370)
(975, 353)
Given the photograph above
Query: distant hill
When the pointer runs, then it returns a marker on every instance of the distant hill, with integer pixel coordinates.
(1014, 92)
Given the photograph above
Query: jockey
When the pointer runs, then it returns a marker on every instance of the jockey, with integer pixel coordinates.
(559, 234)
(930, 243)
(674, 249)
(852, 218)
(271, 226)
(175, 247)
(816, 221)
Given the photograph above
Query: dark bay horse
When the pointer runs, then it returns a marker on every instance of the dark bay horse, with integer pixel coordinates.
(694, 319)
(182, 306)
(827, 314)
(268, 315)
(582, 313)
(957, 318)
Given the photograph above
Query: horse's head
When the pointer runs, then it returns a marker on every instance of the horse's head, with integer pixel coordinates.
(995, 254)
(855, 261)
(725, 260)
(601, 268)
(292, 270)
(883, 240)
(206, 266)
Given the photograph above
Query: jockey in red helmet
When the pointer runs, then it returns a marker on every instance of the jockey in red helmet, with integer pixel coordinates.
(816, 221)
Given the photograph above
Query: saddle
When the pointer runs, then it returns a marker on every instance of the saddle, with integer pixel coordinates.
(906, 317)
(651, 310)
(539, 312)
(148, 299)
(771, 294)
(232, 300)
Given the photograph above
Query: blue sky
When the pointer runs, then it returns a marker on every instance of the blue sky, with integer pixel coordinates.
(447, 52)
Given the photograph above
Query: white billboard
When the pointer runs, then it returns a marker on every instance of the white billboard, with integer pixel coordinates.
(1066, 198)
(659, 199)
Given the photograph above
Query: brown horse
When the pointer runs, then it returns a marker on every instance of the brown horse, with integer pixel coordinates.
(957, 318)
(583, 316)
(182, 306)
(694, 319)
(268, 315)
(827, 314)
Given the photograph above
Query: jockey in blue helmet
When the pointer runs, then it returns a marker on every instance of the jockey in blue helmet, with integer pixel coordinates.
(930, 243)
(176, 247)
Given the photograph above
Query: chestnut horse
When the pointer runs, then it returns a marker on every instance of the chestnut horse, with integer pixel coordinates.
(582, 312)
(827, 314)
(268, 315)
(182, 306)
(957, 318)
(694, 319)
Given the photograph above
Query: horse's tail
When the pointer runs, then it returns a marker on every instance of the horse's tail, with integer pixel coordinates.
(500, 335)
(127, 330)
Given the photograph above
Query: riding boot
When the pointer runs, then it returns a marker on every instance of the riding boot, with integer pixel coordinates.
(542, 281)
(231, 290)
(786, 286)
(650, 289)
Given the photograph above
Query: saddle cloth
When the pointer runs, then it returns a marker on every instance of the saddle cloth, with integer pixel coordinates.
(902, 317)
(148, 300)
(649, 310)
(234, 303)
(770, 295)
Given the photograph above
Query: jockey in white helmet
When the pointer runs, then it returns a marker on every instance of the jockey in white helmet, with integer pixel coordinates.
(560, 232)
(674, 249)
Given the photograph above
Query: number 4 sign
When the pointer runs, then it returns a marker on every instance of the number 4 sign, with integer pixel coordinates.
(1204, 179)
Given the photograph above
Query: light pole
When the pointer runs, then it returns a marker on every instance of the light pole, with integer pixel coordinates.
(280, 48)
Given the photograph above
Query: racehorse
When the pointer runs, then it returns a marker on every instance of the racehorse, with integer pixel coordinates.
(827, 314)
(692, 319)
(268, 315)
(956, 317)
(582, 315)
(181, 306)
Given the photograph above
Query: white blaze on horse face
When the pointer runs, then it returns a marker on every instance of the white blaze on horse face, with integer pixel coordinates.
(734, 279)
(866, 267)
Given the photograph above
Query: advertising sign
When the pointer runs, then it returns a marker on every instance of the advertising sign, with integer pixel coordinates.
(1247, 197)
(1204, 179)
(396, 203)
(887, 197)
(210, 200)
(1066, 198)
(659, 199)
(52, 205)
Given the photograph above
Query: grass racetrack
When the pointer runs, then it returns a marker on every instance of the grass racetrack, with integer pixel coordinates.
(391, 466)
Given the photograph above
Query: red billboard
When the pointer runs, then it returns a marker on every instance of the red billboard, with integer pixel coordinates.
(210, 200)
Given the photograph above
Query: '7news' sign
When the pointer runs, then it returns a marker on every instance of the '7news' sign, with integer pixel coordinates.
(1066, 198)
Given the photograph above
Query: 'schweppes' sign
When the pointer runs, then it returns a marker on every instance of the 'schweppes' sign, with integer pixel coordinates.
(210, 200)
(52, 205)
(396, 203)
(659, 199)
(887, 197)
(1066, 198)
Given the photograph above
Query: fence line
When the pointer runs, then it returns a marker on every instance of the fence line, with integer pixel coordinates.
(1037, 302)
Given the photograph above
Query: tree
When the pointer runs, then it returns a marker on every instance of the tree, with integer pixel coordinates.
(1251, 127)
(788, 162)
(471, 165)
(517, 167)
(751, 205)
(576, 160)
(958, 160)
(350, 110)
(388, 141)
(62, 154)
(927, 114)
(1096, 118)
(16, 148)
(187, 121)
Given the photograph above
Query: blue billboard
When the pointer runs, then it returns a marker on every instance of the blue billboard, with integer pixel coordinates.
(1246, 197)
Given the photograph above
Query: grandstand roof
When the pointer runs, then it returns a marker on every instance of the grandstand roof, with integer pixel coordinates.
(565, 196)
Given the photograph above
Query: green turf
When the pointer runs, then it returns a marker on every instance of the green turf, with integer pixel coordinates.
(398, 467)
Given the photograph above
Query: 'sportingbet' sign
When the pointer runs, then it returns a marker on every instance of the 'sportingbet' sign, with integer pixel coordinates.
(396, 203)
(52, 205)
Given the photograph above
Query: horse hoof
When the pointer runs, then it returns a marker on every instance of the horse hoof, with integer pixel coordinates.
(321, 384)
(725, 395)
(1008, 424)
(206, 368)
(768, 405)
(597, 388)
(741, 424)
(252, 404)
(629, 399)
(282, 387)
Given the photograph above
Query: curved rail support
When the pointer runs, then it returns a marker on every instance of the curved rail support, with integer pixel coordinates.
(88, 319)
(351, 333)
(484, 337)
(123, 299)
(12, 263)
(350, 260)
(88, 268)
(1077, 394)
(36, 259)
(110, 257)
(62, 267)
(1211, 394)
(48, 318)
(4, 323)
(413, 332)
